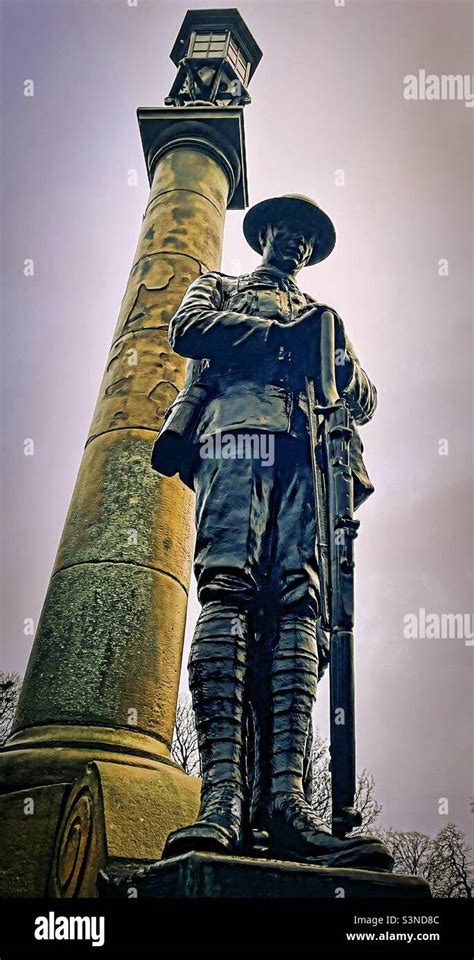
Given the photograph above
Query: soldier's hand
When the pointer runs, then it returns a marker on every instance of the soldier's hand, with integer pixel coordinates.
(314, 313)
(303, 328)
(311, 312)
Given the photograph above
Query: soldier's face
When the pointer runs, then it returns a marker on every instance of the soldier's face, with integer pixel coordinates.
(286, 246)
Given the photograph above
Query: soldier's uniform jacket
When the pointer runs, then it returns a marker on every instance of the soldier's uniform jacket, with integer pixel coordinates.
(240, 376)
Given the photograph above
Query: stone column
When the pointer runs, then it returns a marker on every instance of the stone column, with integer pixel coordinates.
(99, 697)
(109, 641)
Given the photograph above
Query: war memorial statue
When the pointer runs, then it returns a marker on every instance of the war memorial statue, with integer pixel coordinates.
(246, 433)
(259, 396)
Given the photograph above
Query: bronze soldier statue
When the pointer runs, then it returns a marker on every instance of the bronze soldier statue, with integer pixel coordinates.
(239, 436)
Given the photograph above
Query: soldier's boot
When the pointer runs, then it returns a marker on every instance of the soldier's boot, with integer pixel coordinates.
(294, 829)
(217, 670)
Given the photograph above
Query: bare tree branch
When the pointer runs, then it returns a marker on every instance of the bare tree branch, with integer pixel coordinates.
(445, 861)
(184, 748)
(10, 686)
(365, 801)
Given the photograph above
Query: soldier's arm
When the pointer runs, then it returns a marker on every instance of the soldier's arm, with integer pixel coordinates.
(201, 328)
(352, 381)
(355, 387)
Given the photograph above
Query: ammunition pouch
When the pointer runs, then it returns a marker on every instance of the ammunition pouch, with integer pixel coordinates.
(173, 445)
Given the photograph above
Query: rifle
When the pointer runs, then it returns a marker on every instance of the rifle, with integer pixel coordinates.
(336, 530)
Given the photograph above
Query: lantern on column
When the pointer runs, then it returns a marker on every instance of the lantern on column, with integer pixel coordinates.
(216, 57)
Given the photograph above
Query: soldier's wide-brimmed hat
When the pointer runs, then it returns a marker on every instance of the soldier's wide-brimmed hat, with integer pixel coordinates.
(295, 208)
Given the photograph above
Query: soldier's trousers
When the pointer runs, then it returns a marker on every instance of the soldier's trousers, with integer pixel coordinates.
(255, 640)
(255, 528)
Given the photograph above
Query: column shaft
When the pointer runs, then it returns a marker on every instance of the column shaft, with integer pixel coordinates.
(109, 644)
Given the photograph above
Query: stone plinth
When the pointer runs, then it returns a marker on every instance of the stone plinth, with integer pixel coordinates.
(195, 875)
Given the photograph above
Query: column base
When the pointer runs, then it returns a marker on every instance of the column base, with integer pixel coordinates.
(58, 836)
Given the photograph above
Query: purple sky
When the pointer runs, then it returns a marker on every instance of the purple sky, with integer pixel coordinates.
(328, 95)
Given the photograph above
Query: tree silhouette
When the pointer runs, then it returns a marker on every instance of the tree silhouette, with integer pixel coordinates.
(365, 801)
(445, 860)
(184, 749)
(10, 686)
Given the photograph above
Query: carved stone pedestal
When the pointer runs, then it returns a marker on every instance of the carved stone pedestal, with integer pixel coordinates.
(57, 838)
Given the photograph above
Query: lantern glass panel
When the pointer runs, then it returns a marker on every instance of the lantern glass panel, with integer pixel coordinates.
(240, 71)
(209, 44)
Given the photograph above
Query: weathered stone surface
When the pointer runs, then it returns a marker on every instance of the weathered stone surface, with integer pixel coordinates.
(55, 838)
(109, 642)
(55, 753)
(26, 839)
(117, 812)
(102, 681)
(189, 170)
(183, 222)
(116, 509)
(212, 875)
(164, 278)
(115, 630)
(141, 381)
